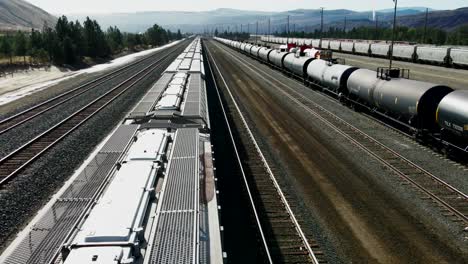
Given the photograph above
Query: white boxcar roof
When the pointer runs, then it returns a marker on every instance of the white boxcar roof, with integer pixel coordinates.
(98, 255)
(174, 65)
(112, 219)
(168, 102)
(174, 89)
(147, 145)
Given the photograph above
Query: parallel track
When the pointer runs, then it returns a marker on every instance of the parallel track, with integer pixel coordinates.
(454, 203)
(280, 232)
(18, 160)
(28, 114)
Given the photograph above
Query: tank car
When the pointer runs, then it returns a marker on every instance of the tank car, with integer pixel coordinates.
(263, 54)
(361, 85)
(276, 58)
(335, 78)
(296, 64)
(452, 116)
(412, 101)
(316, 69)
(254, 51)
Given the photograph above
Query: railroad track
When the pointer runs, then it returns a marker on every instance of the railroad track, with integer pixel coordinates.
(453, 203)
(28, 114)
(18, 160)
(282, 237)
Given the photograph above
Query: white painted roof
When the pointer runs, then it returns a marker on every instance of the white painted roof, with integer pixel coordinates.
(97, 255)
(174, 89)
(168, 102)
(147, 145)
(112, 219)
(178, 81)
(174, 65)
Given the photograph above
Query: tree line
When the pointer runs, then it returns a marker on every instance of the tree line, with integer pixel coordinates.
(69, 43)
(436, 36)
(239, 36)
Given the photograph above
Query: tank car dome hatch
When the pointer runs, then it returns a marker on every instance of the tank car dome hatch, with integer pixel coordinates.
(452, 113)
(414, 101)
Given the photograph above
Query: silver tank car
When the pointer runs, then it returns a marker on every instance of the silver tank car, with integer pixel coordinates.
(316, 69)
(361, 86)
(276, 57)
(335, 77)
(414, 101)
(263, 53)
(297, 65)
(452, 113)
(254, 51)
(247, 48)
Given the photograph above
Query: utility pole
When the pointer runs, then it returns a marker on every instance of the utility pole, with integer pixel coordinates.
(376, 26)
(425, 26)
(287, 39)
(256, 34)
(242, 30)
(393, 34)
(321, 26)
(269, 28)
(248, 28)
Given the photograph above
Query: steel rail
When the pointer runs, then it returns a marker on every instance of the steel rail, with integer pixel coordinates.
(266, 165)
(24, 116)
(20, 158)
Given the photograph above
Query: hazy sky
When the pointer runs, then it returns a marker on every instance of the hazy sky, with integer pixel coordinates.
(109, 6)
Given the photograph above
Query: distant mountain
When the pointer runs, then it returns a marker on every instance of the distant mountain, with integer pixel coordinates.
(21, 15)
(300, 19)
(415, 9)
(448, 20)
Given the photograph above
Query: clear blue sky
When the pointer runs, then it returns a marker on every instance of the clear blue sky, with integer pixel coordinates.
(110, 6)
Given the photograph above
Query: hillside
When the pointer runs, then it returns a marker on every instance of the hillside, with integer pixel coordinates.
(21, 15)
(448, 19)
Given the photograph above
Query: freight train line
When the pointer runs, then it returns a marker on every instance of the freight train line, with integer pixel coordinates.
(18, 160)
(292, 244)
(447, 196)
(28, 114)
